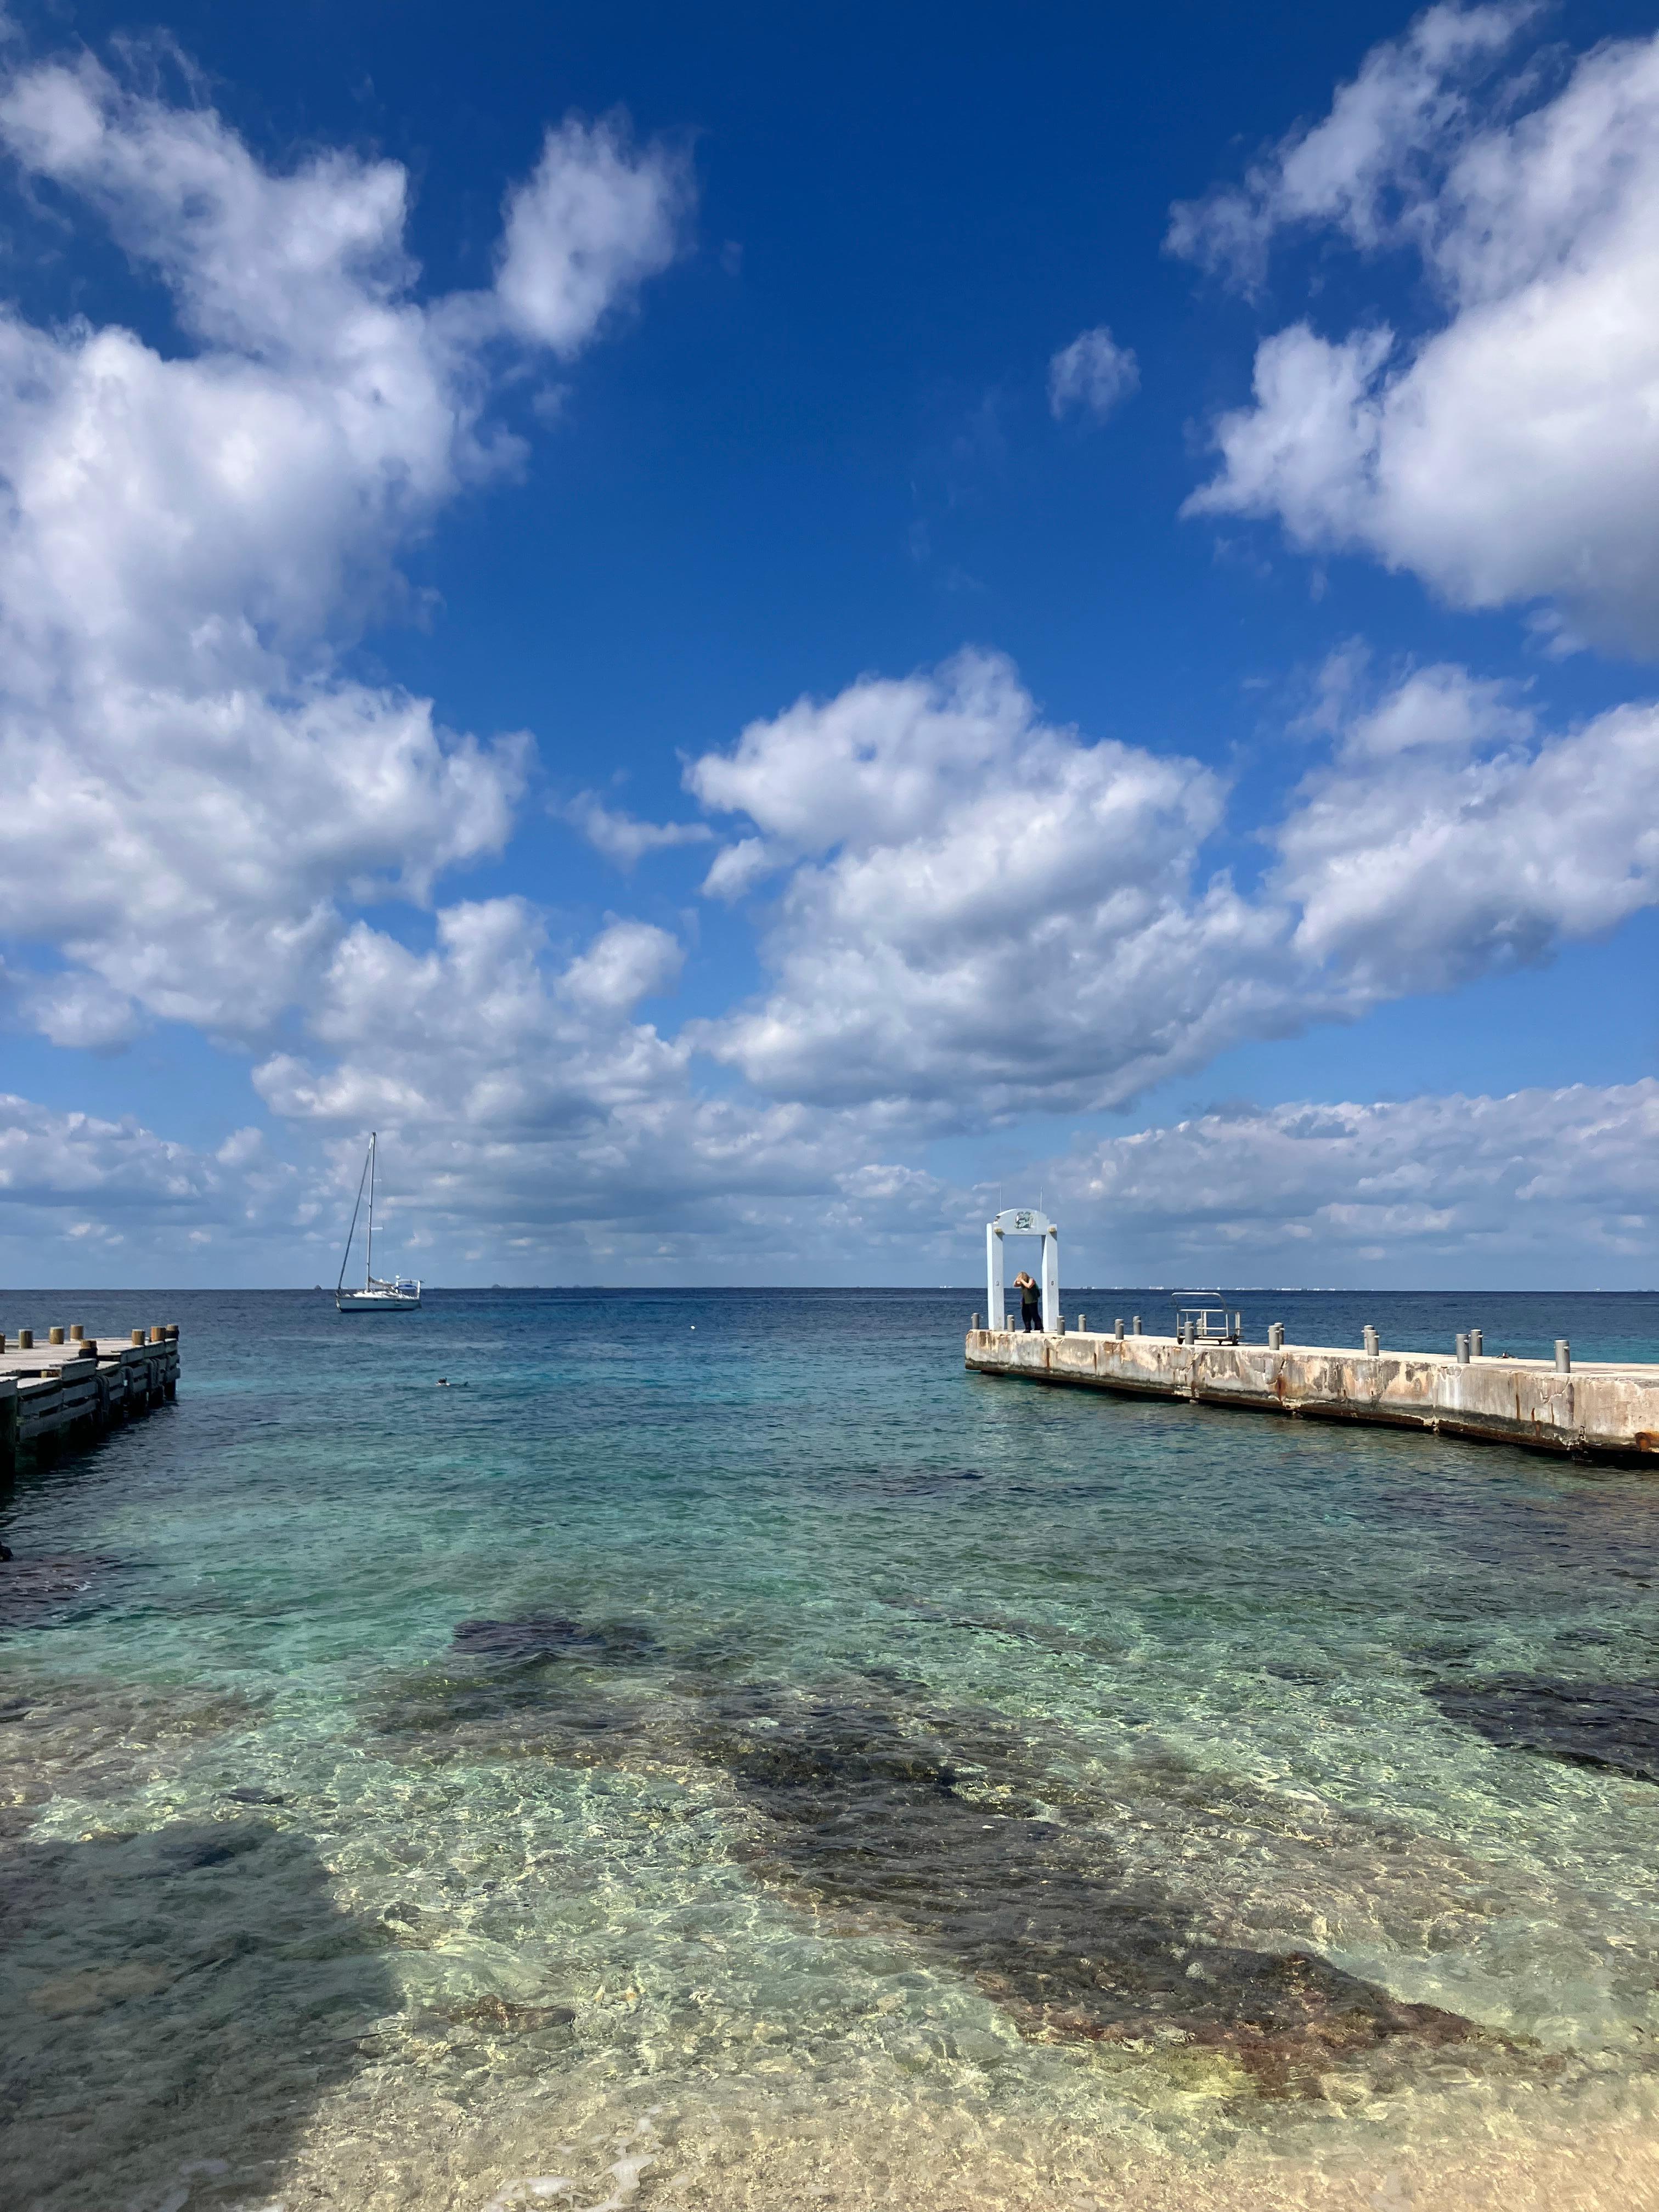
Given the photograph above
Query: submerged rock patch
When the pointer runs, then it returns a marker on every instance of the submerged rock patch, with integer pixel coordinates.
(506, 2016)
(1612, 1725)
(35, 1592)
(536, 1684)
(882, 1825)
(544, 1636)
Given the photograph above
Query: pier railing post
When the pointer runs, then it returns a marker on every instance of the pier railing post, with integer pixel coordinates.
(1461, 1346)
(1477, 1344)
(1370, 1341)
(1118, 1327)
(1276, 1336)
(1563, 1356)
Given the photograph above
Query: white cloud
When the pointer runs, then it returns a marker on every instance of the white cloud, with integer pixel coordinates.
(622, 837)
(46, 1155)
(628, 960)
(974, 911)
(1509, 455)
(982, 913)
(196, 794)
(1093, 373)
(82, 1176)
(595, 220)
(1543, 1185)
(1539, 1182)
(735, 869)
(513, 1084)
(194, 853)
(75, 1009)
(1446, 838)
(981, 909)
(1368, 169)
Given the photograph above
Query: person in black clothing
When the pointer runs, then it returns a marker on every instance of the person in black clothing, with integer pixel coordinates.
(1030, 1301)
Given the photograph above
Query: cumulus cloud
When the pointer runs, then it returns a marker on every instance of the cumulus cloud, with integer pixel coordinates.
(1508, 453)
(513, 1081)
(977, 914)
(196, 795)
(104, 1182)
(970, 910)
(980, 909)
(981, 912)
(1369, 169)
(1447, 836)
(622, 837)
(1545, 1180)
(735, 869)
(1093, 373)
(597, 217)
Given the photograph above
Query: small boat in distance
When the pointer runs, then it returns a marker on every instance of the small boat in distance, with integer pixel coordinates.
(399, 1295)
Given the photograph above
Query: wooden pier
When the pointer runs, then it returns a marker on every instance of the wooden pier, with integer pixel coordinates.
(1592, 1411)
(58, 1388)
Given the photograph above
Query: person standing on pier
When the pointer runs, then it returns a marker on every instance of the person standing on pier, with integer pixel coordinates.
(1030, 1301)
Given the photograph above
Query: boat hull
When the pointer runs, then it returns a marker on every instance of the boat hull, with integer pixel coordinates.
(376, 1301)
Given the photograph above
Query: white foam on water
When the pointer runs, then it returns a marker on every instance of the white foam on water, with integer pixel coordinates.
(627, 2172)
(534, 2189)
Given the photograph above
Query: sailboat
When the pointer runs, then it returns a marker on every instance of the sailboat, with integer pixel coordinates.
(378, 1295)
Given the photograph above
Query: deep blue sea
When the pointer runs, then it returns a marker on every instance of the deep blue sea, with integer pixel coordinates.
(716, 1753)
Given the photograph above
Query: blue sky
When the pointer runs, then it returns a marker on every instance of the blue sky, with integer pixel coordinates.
(750, 386)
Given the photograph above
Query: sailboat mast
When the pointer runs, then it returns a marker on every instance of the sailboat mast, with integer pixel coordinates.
(369, 1263)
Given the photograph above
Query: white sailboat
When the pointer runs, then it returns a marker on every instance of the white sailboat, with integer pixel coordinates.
(379, 1295)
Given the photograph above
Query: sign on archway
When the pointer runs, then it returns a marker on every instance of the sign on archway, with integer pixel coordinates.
(1022, 1221)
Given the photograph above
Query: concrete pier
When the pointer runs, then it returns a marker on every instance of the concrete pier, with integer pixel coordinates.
(54, 1396)
(1602, 1411)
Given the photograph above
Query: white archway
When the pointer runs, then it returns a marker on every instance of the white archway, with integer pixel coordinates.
(1022, 1221)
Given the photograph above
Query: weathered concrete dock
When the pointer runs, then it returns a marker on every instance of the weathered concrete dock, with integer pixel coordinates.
(1595, 1410)
(60, 1388)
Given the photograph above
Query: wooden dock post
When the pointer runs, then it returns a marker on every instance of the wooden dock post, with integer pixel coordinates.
(73, 1390)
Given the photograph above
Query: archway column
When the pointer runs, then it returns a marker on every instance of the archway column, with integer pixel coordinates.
(995, 1316)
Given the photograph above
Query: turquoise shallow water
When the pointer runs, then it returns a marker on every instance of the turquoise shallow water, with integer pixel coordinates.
(725, 1754)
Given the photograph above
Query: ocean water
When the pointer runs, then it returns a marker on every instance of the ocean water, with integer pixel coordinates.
(723, 1755)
